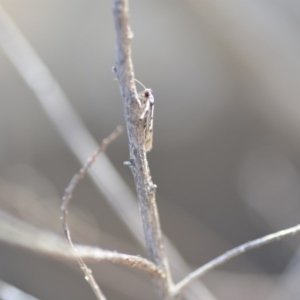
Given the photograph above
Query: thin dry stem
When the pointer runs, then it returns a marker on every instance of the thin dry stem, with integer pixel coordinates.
(80, 175)
(133, 261)
(138, 160)
(222, 259)
(23, 234)
(64, 207)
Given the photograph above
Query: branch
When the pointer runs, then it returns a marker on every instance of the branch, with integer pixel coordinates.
(80, 175)
(222, 259)
(138, 160)
(133, 261)
(64, 208)
(23, 234)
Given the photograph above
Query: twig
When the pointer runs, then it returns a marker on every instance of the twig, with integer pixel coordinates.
(138, 160)
(80, 175)
(64, 208)
(80, 142)
(133, 261)
(220, 260)
(23, 234)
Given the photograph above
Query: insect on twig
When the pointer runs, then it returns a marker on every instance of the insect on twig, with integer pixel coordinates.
(147, 102)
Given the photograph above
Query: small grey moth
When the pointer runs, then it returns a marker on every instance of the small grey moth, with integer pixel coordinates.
(147, 104)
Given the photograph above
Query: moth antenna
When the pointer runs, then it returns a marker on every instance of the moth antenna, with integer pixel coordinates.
(140, 83)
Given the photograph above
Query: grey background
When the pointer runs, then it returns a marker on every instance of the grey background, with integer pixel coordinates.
(226, 151)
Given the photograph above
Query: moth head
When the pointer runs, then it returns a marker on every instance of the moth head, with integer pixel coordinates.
(146, 96)
(147, 93)
(149, 96)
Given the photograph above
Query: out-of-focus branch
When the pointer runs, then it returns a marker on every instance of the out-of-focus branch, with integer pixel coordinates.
(9, 292)
(138, 159)
(34, 209)
(45, 242)
(222, 259)
(80, 142)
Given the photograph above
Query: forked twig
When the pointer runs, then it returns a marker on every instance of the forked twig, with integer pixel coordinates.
(64, 208)
(222, 259)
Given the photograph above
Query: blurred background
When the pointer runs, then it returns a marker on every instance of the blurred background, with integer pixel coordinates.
(226, 156)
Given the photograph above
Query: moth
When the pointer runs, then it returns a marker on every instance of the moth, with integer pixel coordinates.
(147, 105)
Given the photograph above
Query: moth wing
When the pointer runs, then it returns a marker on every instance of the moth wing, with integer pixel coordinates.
(147, 102)
(150, 114)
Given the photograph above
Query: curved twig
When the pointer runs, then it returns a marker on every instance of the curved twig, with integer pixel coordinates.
(64, 208)
(222, 259)
(133, 261)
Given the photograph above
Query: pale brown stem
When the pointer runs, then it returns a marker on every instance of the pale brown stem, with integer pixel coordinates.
(138, 160)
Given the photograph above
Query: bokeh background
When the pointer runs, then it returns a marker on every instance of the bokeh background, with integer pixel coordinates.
(226, 156)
